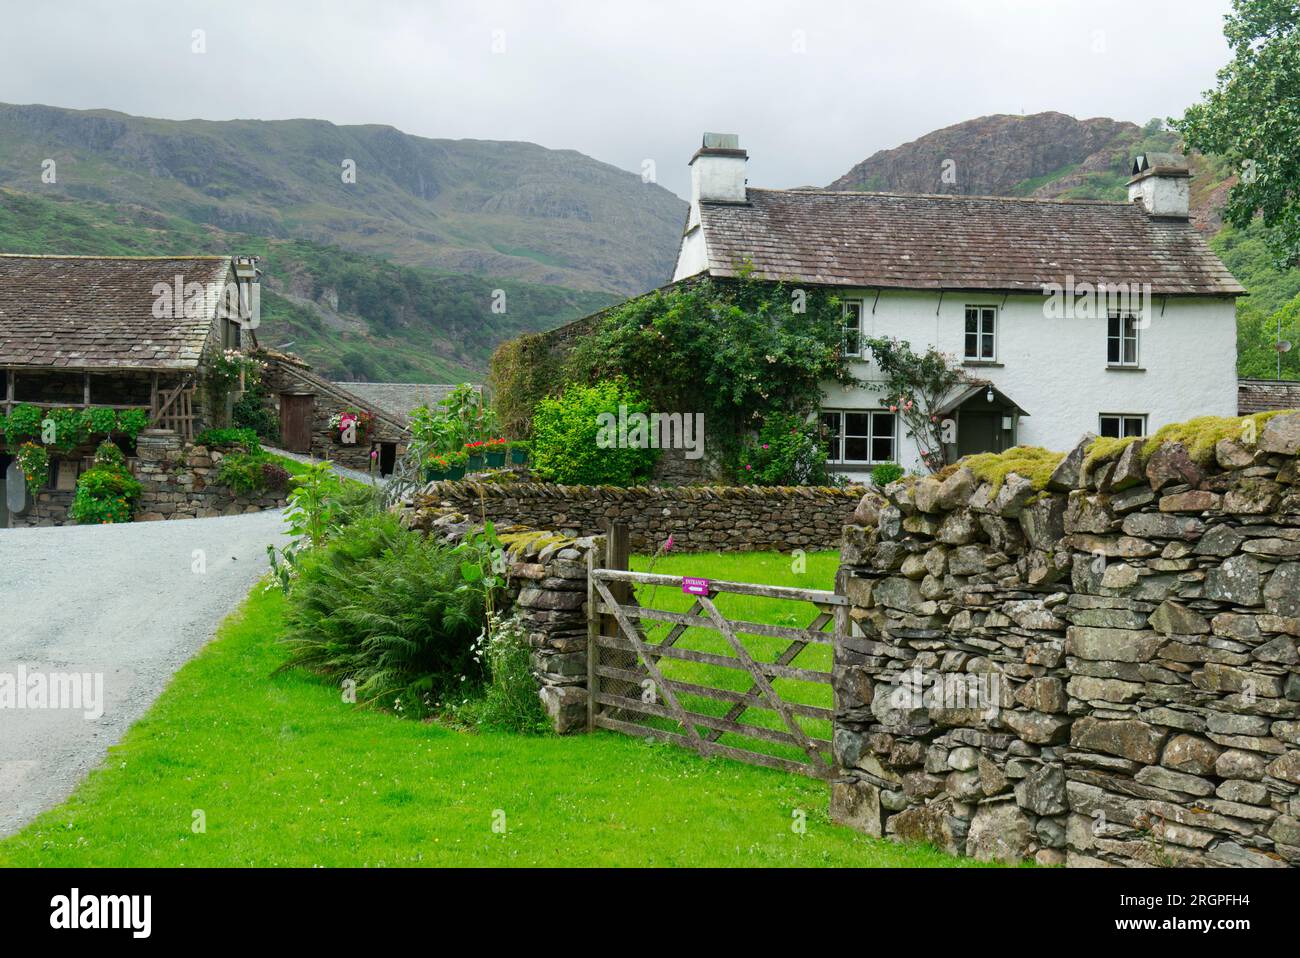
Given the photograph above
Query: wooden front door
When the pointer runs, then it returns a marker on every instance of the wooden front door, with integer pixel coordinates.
(979, 432)
(296, 411)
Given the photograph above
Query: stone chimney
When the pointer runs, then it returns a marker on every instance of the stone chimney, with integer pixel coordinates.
(718, 171)
(248, 276)
(1162, 182)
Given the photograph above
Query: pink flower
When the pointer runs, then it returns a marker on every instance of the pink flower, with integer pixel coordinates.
(748, 466)
(764, 445)
(668, 546)
(893, 409)
(374, 453)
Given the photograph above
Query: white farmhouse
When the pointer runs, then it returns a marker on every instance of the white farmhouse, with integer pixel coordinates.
(1000, 283)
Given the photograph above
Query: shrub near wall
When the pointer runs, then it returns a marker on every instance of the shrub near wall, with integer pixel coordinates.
(1095, 666)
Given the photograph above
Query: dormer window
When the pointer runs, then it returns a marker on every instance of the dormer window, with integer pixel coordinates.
(1122, 340)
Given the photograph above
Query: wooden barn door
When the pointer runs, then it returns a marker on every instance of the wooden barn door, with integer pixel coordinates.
(296, 411)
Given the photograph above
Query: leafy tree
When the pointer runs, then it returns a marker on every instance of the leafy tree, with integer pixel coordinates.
(1252, 119)
(567, 434)
(1257, 336)
(737, 351)
(914, 387)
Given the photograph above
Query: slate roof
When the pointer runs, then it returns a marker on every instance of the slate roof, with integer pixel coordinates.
(96, 312)
(1262, 395)
(398, 399)
(1005, 244)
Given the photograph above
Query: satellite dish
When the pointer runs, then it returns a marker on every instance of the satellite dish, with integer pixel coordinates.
(1284, 346)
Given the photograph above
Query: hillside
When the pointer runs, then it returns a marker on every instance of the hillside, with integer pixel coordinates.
(1051, 155)
(497, 209)
(351, 316)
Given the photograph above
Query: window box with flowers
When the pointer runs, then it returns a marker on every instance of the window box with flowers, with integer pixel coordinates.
(494, 451)
(519, 451)
(350, 427)
(447, 465)
(475, 455)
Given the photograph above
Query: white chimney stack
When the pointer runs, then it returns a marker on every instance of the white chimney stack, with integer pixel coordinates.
(718, 170)
(1162, 182)
(717, 176)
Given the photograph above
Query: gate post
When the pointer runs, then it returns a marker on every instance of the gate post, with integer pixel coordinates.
(617, 553)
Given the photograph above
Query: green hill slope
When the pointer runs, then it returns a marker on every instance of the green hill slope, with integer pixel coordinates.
(499, 209)
(352, 316)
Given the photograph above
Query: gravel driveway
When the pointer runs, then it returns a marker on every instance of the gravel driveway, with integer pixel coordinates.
(122, 601)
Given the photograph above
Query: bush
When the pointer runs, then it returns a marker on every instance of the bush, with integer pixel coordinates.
(131, 422)
(385, 607)
(248, 472)
(106, 492)
(566, 431)
(24, 422)
(251, 413)
(274, 476)
(509, 702)
(229, 437)
(789, 451)
(885, 473)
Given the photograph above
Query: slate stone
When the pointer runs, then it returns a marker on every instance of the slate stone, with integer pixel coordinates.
(1127, 738)
(1236, 581)
(999, 832)
(1171, 618)
(1281, 434)
(1282, 594)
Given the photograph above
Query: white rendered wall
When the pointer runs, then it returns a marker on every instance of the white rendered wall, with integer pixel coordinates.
(1055, 369)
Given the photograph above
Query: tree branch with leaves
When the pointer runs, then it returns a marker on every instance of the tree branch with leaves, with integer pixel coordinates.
(914, 388)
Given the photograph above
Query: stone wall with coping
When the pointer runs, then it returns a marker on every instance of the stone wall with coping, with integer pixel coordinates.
(1102, 673)
(699, 518)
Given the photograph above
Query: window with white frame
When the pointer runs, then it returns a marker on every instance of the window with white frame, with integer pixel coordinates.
(1122, 340)
(860, 435)
(852, 327)
(1117, 425)
(981, 330)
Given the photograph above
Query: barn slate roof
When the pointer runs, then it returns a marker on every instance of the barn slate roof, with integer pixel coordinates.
(1263, 395)
(398, 399)
(916, 241)
(97, 312)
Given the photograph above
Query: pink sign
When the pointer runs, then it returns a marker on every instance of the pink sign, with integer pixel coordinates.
(695, 586)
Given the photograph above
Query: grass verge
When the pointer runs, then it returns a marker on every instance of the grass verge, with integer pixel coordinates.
(285, 773)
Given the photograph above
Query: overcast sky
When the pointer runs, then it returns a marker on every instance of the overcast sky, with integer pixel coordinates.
(811, 86)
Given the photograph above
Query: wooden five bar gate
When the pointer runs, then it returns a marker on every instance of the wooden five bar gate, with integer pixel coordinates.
(629, 690)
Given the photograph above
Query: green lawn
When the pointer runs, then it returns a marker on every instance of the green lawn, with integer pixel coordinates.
(286, 773)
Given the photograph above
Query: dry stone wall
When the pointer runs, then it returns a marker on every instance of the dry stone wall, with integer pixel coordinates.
(179, 482)
(699, 518)
(1103, 672)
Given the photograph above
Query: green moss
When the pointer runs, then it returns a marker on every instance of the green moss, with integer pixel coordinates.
(1029, 462)
(1106, 449)
(1199, 436)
